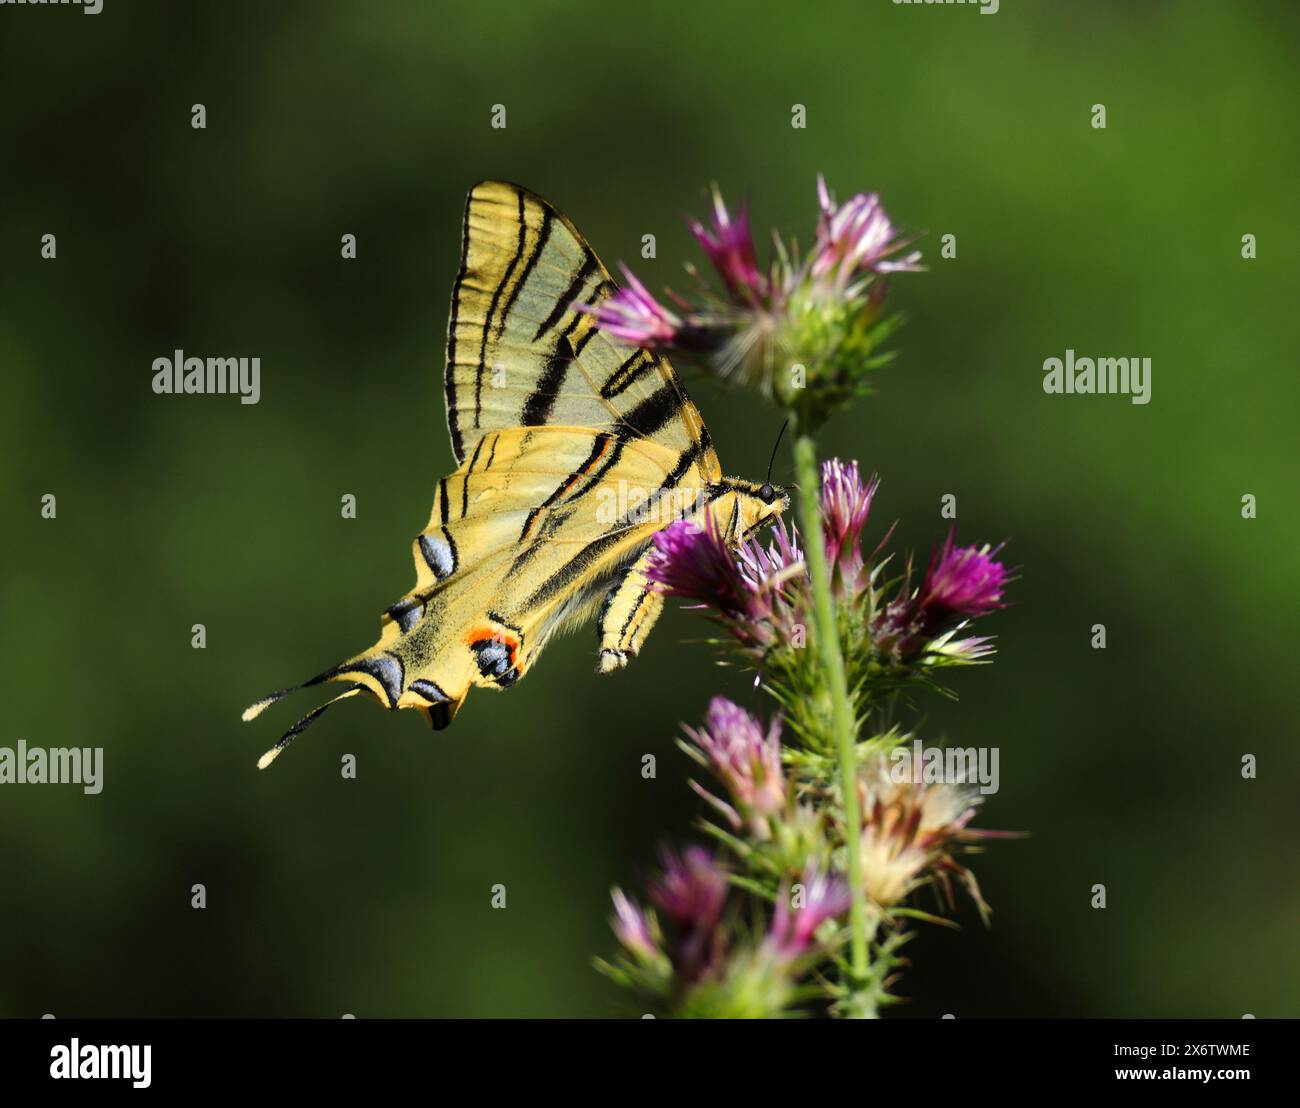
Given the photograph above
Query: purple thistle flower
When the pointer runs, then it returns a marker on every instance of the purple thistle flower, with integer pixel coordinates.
(777, 580)
(632, 927)
(633, 313)
(695, 563)
(746, 761)
(824, 897)
(845, 505)
(693, 888)
(764, 566)
(962, 581)
(753, 591)
(730, 247)
(856, 238)
(693, 893)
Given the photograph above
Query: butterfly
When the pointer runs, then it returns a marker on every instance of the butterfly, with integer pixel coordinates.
(574, 447)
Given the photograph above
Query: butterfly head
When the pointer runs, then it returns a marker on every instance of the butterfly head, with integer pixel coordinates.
(743, 507)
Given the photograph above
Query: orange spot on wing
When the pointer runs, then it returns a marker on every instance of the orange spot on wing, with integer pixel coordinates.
(482, 635)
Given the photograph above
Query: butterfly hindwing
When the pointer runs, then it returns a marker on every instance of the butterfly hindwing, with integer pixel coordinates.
(545, 531)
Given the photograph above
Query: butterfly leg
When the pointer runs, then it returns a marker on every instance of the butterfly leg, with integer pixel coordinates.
(626, 617)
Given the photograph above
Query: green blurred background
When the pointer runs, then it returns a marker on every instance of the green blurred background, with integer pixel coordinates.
(372, 896)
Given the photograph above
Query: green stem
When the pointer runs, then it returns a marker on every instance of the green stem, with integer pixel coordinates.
(827, 639)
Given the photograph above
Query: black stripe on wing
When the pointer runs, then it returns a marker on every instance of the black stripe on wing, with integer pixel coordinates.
(492, 308)
(449, 376)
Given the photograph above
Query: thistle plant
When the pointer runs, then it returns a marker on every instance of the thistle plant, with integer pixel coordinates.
(826, 842)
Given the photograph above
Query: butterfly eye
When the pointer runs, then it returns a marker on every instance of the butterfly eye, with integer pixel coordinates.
(767, 494)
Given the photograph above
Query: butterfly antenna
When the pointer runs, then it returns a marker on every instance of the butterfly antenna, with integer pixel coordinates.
(772, 461)
(301, 726)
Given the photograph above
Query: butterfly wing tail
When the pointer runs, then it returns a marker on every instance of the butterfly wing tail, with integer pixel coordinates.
(301, 726)
(377, 672)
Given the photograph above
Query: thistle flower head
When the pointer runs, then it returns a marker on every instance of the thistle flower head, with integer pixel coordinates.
(694, 562)
(771, 565)
(796, 919)
(730, 247)
(777, 580)
(823, 311)
(960, 583)
(747, 760)
(845, 505)
(909, 830)
(756, 591)
(692, 889)
(856, 239)
(692, 892)
(963, 581)
(632, 313)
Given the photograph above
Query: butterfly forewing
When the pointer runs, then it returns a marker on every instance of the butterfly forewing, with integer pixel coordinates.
(520, 353)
